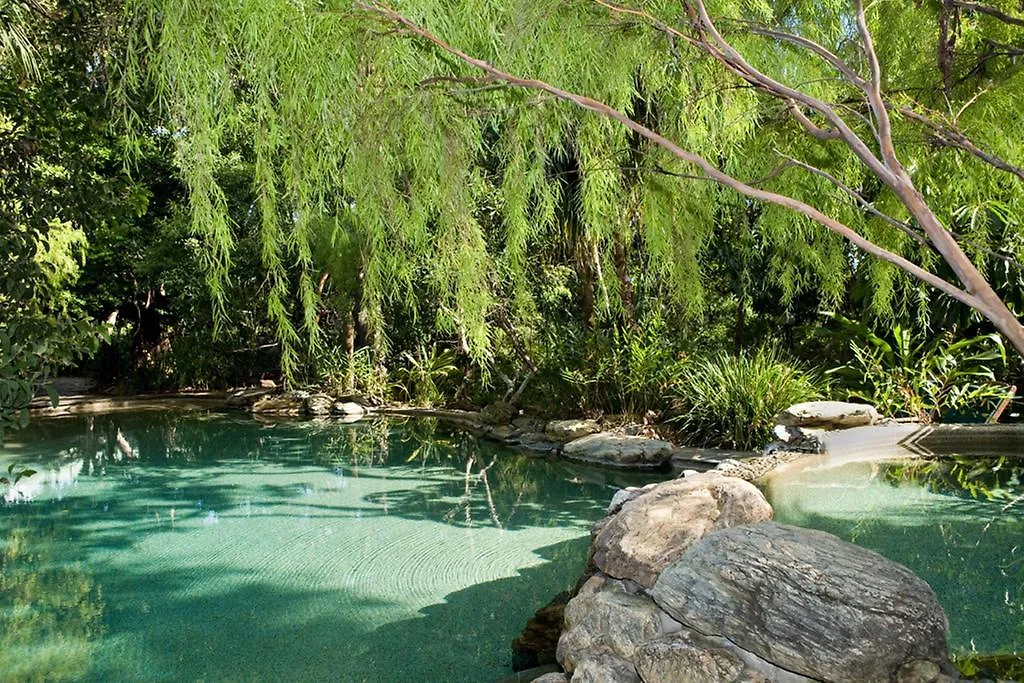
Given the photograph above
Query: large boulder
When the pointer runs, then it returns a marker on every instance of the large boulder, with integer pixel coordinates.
(319, 404)
(687, 656)
(828, 415)
(807, 602)
(609, 616)
(602, 666)
(677, 658)
(652, 530)
(620, 450)
(348, 408)
(567, 430)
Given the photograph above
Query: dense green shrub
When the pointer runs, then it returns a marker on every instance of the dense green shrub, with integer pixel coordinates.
(730, 400)
(923, 379)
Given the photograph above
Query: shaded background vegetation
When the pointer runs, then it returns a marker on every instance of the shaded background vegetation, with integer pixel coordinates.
(523, 252)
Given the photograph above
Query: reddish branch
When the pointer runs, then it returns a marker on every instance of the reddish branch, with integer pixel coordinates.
(976, 291)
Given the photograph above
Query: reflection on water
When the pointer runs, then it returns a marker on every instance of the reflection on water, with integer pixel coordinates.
(192, 546)
(50, 610)
(956, 522)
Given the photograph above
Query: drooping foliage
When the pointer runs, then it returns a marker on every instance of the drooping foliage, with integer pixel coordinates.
(449, 183)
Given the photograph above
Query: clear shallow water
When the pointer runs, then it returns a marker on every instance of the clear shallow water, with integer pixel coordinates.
(956, 522)
(203, 547)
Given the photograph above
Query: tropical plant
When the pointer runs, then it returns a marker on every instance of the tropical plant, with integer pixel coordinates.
(904, 376)
(621, 371)
(731, 400)
(423, 377)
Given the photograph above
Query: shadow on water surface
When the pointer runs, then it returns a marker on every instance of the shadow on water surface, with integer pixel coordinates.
(168, 631)
(220, 549)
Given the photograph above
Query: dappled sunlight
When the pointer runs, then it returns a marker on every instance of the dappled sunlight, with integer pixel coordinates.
(228, 548)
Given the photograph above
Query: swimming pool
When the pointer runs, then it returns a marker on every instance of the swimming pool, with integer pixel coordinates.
(200, 546)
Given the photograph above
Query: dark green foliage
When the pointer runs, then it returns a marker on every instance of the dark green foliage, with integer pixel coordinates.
(905, 375)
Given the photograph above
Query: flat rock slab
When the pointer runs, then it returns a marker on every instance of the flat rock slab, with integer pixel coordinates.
(567, 430)
(620, 450)
(828, 415)
(653, 529)
(806, 601)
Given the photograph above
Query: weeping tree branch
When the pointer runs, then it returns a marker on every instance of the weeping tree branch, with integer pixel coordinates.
(951, 137)
(976, 291)
(873, 210)
(988, 10)
(886, 167)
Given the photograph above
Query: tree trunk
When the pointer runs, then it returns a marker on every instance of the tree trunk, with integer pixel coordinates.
(621, 259)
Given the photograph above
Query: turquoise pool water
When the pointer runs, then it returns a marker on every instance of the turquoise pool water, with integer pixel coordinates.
(956, 522)
(205, 547)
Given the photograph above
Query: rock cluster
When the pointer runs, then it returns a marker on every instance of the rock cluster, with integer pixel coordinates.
(691, 581)
(581, 440)
(266, 399)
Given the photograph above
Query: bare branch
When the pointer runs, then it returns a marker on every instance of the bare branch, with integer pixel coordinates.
(700, 162)
(842, 67)
(874, 93)
(859, 199)
(952, 137)
(823, 134)
(989, 10)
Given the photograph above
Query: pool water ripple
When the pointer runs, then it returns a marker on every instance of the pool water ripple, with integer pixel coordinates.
(226, 549)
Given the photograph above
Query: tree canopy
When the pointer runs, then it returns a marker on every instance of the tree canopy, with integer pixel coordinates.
(446, 177)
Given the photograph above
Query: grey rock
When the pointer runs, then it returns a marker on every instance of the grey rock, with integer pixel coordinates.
(828, 415)
(620, 450)
(279, 405)
(919, 671)
(552, 678)
(504, 432)
(249, 396)
(621, 497)
(685, 657)
(350, 408)
(602, 666)
(567, 430)
(607, 615)
(268, 384)
(319, 404)
(654, 529)
(688, 656)
(529, 424)
(806, 601)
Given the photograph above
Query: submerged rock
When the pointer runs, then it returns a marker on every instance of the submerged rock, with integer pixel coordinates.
(807, 602)
(620, 450)
(655, 528)
(828, 415)
(537, 644)
(567, 430)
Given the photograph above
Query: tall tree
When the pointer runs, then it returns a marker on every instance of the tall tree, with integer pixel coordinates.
(349, 119)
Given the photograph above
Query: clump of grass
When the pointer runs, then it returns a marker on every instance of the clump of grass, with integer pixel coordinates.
(730, 400)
